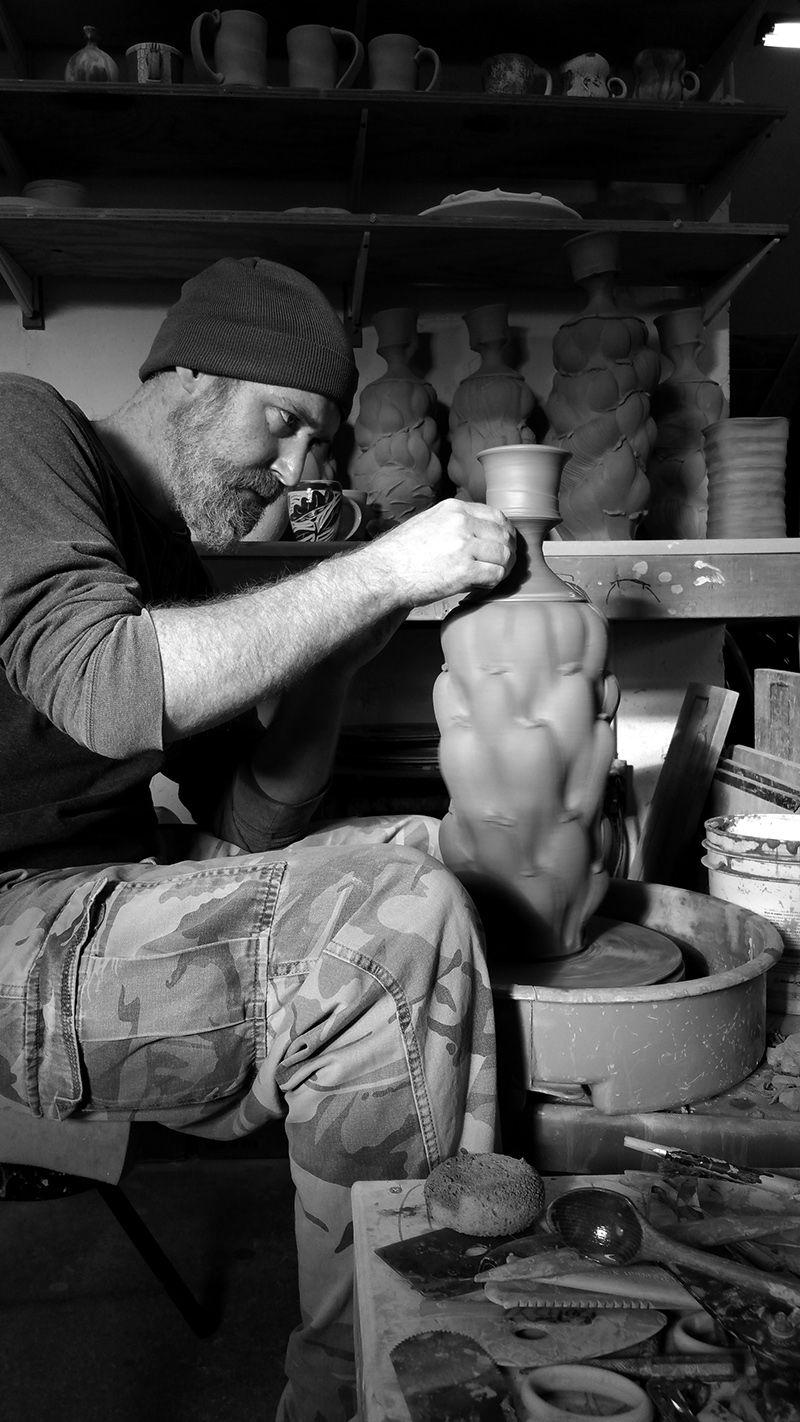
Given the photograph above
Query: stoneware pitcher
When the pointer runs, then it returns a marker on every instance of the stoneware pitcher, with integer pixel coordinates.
(588, 76)
(394, 62)
(661, 75)
(314, 57)
(239, 42)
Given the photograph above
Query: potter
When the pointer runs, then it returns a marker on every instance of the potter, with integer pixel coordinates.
(588, 76)
(514, 74)
(661, 75)
(314, 57)
(394, 63)
(239, 39)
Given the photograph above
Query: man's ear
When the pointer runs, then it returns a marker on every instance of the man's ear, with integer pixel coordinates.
(189, 379)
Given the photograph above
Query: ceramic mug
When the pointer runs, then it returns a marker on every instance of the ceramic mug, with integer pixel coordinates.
(661, 74)
(513, 74)
(588, 76)
(315, 507)
(314, 57)
(239, 42)
(154, 64)
(394, 62)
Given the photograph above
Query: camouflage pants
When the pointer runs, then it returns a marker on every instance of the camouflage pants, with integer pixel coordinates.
(338, 984)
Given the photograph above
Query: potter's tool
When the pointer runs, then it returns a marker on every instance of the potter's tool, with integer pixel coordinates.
(676, 1401)
(718, 1169)
(446, 1377)
(607, 1227)
(533, 1337)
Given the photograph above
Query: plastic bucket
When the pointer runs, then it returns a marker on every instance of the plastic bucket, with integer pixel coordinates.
(754, 861)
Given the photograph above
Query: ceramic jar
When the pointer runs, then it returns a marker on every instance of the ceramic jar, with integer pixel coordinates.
(746, 463)
(683, 405)
(490, 407)
(397, 464)
(524, 708)
(599, 406)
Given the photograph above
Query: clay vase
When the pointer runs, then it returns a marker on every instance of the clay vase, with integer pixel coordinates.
(396, 432)
(682, 406)
(313, 52)
(237, 41)
(490, 407)
(746, 462)
(599, 406)
(661, 75)
(524, 708)
(91, 65)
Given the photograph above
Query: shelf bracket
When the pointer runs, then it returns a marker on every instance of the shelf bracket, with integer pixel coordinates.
(718, 188)
(12, 42)
(716, 297)
(717, 64)
(357, 171)
(25, 290)
(354, 305)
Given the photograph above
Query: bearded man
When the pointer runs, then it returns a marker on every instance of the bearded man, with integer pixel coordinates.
(270, 968)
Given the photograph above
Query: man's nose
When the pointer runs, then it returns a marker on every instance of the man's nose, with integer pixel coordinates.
(290, 464)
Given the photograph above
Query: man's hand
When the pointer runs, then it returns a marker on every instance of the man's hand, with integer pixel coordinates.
(447, 549)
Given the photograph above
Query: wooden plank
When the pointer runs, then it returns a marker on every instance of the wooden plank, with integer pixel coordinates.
(684, 781)
(714, 581)
(776, 712)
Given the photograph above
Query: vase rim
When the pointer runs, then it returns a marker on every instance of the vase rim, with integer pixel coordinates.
(517, 448)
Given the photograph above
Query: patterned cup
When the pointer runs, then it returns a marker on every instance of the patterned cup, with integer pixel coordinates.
(315, 507)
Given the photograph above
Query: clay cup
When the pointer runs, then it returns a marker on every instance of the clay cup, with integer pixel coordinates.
(314, 57)
(514, 74)
(151, 63)
(394, 63)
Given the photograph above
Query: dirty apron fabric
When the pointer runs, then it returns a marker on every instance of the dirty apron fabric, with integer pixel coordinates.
(338, 984)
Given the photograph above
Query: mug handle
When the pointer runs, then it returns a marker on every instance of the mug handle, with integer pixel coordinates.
(622, 87)
(424, 53)
(548, 87)
(206, 24)
(690, 84)
(356, 62)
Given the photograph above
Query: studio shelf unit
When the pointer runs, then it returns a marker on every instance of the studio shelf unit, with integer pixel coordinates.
(458, 138)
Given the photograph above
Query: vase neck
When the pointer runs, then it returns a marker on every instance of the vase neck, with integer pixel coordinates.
(531, 578)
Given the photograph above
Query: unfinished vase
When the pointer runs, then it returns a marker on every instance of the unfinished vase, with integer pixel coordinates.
(524, 707)
(396, 432)
(599, 406)
(490, 407)
(683, 406)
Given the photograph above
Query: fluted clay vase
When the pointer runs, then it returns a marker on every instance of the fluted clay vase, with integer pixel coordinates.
(683, 405)
(746, 460)
(490, 407)
(524, 708)
(599, 406)
(397, 463)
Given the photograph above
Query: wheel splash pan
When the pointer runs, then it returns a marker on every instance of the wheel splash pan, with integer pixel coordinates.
(648, 1048)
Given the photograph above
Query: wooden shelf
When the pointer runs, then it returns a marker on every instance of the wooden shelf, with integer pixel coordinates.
(476, 140)
(640, 581)
(405, 252)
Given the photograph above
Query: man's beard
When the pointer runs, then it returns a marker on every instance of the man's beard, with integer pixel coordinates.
(219, 501)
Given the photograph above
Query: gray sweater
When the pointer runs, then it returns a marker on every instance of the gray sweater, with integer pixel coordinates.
(81, 701)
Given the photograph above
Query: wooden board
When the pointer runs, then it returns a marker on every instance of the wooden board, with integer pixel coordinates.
(684, 781)
(777, 712)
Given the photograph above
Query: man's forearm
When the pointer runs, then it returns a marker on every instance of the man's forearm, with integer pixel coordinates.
(222, 657)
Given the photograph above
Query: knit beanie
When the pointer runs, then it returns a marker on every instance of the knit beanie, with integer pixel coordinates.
(252, 319)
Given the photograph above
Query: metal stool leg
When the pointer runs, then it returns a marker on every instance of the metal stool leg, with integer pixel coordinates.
(199, 1319)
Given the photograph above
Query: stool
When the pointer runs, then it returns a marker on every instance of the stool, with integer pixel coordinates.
(35, 1184)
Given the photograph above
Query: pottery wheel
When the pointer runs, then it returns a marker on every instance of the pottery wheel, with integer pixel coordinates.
(616, 955)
